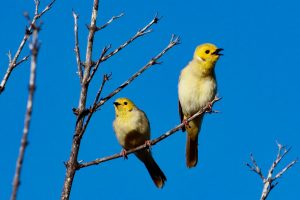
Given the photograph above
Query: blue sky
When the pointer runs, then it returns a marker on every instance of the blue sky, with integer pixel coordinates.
(258, 79)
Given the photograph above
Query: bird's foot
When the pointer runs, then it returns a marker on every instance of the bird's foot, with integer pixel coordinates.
(186, 124)
(148, 144)
(209, 108)
(123, 153)
(210, 104)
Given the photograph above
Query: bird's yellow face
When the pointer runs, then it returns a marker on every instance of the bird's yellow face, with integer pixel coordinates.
(123, 106)
(208, 53)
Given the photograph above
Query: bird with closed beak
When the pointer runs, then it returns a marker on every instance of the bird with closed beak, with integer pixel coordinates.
(132, 129)
(197, 87)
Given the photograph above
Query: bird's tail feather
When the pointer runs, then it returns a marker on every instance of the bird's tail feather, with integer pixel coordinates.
(193, 129)
(155, 172)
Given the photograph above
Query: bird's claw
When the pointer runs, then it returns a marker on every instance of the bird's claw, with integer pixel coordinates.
(186, 124)
(123, 153)
(148, 144)
(210, 104)
(210, 110)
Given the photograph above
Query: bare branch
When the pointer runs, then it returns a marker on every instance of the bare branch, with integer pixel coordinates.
(9, 57)
(270, 181)
(97, 104)
(22, 60)
(174, 41)
(106, 78)
(37, 3)
(104, 57)
(47, 8)
(93, 108)
(282, 151)
(14, 61)
(285, 169)
(82, 111)
(76, 49)
(109, 21)
(152, 142)
(34, 47)
(104, 51)
(255, 168)
(72, 163)
(140, 33)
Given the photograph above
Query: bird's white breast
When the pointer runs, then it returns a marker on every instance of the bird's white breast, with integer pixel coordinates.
(195, 91)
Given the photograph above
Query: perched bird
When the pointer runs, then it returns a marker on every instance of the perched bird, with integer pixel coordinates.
(132, 129)
(196, 88)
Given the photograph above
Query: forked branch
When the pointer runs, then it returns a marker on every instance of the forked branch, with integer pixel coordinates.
(14, 62)
(270, 181)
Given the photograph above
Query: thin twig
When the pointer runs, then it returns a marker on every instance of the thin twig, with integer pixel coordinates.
(104, 51)
(34, 47)
(48, 7)
(37, 3)
(76, 49)
(255, 168)
(270, 181)
(22, 60)
(14, 61)
(173, 42)
(109, 21)
(140, 33)
(285, 169)
(152, 142)
(106, 78)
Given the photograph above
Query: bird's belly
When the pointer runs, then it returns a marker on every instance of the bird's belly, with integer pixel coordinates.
(131, 133)
(195, 94)
(121, 130)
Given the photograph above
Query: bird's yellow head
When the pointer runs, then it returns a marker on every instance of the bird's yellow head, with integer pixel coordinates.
(208, 54)
(123, 106)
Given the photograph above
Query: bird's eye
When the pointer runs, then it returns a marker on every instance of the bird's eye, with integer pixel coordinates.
(207, 51)
(125, 103)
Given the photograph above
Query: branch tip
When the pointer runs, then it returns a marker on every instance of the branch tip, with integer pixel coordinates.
(109, 22)
(175, 39)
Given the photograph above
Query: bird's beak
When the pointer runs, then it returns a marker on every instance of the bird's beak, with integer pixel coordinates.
(117, 104)
(217, 52)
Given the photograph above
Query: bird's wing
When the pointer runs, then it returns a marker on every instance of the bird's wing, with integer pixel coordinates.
(181, 115)
(180, 108)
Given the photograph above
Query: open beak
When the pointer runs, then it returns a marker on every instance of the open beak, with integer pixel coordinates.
(217, 52)
(116, 104)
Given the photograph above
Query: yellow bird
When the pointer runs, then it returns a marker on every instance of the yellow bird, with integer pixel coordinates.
(196, 88)
(132, 129)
